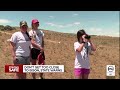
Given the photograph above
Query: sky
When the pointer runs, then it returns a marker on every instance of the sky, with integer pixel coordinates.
(93, 22)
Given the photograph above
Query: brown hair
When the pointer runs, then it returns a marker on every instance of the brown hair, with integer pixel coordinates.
(79, 34)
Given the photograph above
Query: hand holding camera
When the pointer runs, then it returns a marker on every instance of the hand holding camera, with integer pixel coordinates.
(86, 38)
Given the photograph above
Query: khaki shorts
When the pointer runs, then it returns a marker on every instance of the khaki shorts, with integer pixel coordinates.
(22, 60)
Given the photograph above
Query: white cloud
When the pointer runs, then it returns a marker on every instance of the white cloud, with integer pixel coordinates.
(51, 16)
(106, 32)
(75, 14)
(51, 24)
(76, 23)
(95, 29)
(4, 21)
(112, 33)
(63, 25)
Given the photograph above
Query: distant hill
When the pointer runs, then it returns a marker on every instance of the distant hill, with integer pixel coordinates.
(7, 27)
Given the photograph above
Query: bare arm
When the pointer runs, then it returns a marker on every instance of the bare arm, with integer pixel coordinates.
(82, 44)
(36, 45)
(13, 48)
(93, 48)
(79, 49)
(13, 51)
(43, 42)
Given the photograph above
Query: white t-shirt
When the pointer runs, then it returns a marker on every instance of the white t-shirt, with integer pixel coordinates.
(37, 35)
(82, 58)
(22, 43)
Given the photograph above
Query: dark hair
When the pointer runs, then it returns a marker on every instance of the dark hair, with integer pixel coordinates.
(79, 34)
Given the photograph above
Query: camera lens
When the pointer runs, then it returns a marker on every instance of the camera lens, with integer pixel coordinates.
(87, 37)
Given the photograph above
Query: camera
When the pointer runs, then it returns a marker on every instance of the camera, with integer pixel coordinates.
(87, 37)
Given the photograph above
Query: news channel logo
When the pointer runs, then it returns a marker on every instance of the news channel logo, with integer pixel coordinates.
(110, 70)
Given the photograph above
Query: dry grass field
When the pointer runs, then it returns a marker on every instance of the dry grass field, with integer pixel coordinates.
(107, 53)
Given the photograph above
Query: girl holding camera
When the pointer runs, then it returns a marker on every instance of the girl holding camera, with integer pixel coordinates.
(82, 48)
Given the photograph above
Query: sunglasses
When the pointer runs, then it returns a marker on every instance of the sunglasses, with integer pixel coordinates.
(24, 26)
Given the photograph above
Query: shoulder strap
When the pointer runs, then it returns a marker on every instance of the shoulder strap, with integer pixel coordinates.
(28, 35)
(87, 49)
